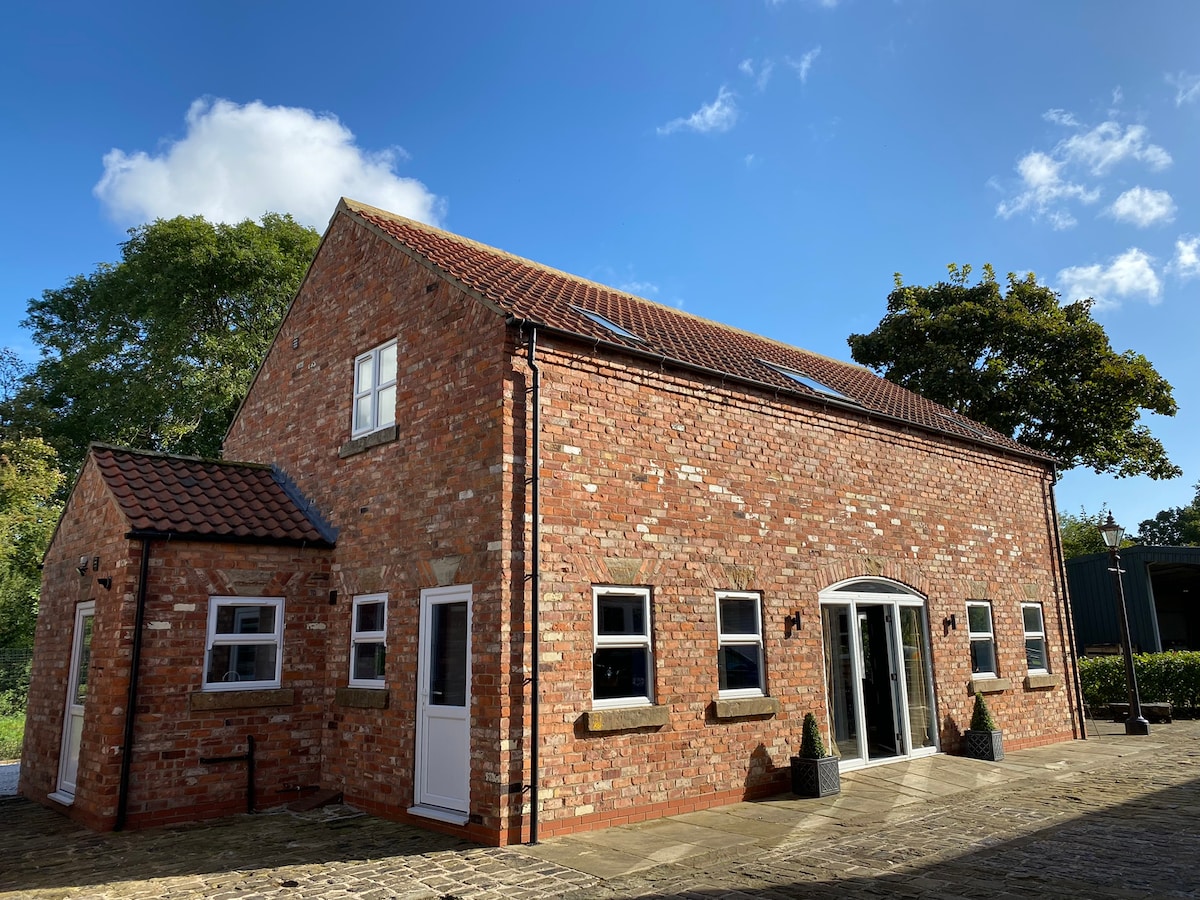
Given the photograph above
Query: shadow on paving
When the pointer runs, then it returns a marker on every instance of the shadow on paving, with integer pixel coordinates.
(1079, 838)
(1149, 847)
(43, 850)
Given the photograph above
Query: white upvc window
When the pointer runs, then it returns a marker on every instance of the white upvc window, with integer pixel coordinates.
(1035, 638)
(739, 645)
(368, 641)
(375, 389)
(623, 659)
(983, 638)
(243, 650)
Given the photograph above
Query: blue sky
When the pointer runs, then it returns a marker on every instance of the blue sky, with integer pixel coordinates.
(765, 163)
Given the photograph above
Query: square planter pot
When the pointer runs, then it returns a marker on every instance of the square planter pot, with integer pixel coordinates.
(815, 777)
(987, 745)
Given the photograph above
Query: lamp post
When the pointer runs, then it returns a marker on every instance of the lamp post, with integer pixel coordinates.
(1112, 532)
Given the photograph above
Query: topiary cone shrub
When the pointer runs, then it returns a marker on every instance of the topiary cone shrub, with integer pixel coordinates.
(811, 745)
(814, 773)
(983, 740)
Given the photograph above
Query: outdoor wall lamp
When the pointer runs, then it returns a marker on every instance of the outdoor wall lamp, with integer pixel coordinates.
(105, 583)
(950, 623)
(1112, 534)
(792, 621)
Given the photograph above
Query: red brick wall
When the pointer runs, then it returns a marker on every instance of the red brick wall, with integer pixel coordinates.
(655, 480)
(91, 526)
(423, 510)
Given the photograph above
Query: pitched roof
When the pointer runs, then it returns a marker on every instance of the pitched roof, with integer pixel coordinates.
(206, 499)
(566, 303)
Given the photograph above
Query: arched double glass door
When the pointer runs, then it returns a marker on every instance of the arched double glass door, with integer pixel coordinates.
(878, 680)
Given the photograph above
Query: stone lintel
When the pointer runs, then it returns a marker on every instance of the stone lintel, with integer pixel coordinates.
(989, 685)
(746, 706)
(626, 719)
(362, 698)
(1042, 681)
(206, 700)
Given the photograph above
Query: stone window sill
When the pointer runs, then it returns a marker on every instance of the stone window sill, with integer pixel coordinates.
(367, 441)
(990, 685)
(745, 707)
(1045, 680)
(362, 698)
(599, 720)
(206, 700)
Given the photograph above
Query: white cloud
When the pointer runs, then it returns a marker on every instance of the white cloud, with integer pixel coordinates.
(804, 65)
(763, 75)
(1143, 207)
(1051, 181)
(1044, 189)
(238, 162)
(1117, 95)
(1129, 275)
(720, 115)
(1060, 117)
(1107, 144)
(1187, 87)
(639, 288)
(1186, 263)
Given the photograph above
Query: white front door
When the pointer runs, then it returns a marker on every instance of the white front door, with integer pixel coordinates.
(77, 690)
(443, 760)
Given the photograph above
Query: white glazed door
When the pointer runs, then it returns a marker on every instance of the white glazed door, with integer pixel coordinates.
(77, 690)
(443, 758)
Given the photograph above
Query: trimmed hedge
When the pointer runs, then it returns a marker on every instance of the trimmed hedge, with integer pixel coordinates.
(1173, 677)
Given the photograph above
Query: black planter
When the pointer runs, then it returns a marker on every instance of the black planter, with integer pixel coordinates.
(987, 745)
(815, 777)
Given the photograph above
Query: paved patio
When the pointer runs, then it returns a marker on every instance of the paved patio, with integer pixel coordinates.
(1112, 817)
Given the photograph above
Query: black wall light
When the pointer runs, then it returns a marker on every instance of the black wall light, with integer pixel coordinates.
(949, 623)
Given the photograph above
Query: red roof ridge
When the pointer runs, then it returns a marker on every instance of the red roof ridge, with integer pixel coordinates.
(360, 207)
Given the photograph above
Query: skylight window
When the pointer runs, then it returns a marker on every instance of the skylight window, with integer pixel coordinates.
(809, 382)
(605, 323)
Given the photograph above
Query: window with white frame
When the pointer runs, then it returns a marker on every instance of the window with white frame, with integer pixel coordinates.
(243, 647)
(368, 640)
(1035, 638)
(983, 638)
(375, 389)
(622, 661)
(739, 644)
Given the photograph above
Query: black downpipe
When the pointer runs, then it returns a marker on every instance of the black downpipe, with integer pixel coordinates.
(535, 585)
(1066, 604)
(131, 700)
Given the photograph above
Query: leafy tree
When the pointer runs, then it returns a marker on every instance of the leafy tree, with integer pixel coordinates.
(29, 482)
(1178, 526)
(157, 350)
(1024, 364)
(1081, 533)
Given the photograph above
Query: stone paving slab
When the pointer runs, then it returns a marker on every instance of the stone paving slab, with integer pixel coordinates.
(1114, 817)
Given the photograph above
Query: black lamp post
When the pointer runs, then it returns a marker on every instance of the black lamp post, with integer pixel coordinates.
(1112, 532)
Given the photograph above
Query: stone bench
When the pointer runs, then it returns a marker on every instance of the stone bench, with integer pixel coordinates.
(1154, 712)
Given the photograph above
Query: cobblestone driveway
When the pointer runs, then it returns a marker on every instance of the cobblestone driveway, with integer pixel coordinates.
(1128, 829)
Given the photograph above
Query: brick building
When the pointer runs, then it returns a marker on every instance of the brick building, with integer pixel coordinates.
(526, 552)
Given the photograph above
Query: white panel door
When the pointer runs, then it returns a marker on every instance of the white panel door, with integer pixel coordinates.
(77, 690)
(443, 759)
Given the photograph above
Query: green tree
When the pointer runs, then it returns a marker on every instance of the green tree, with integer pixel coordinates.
(1026, 365)
(29, 483)
(1178, 526)
(157, 350)
(1081, 533)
